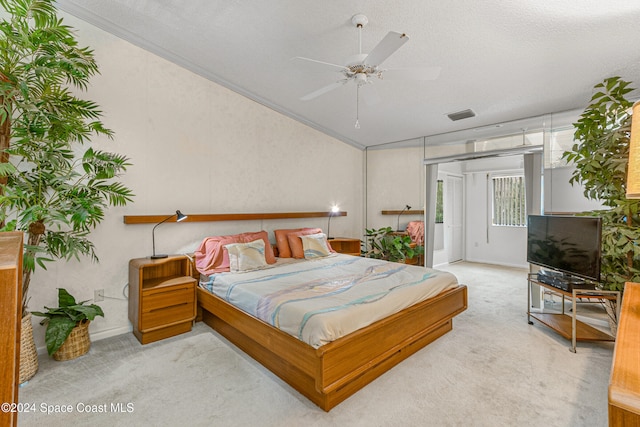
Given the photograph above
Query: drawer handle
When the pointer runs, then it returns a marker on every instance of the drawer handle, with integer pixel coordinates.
(169, 306)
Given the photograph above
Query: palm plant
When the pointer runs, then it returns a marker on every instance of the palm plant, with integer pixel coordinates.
(50, 186)
(601, 157)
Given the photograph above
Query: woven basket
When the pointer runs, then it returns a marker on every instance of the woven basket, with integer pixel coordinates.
(28, 352)
(76, 344)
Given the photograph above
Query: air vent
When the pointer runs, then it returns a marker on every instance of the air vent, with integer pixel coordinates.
(464, 114)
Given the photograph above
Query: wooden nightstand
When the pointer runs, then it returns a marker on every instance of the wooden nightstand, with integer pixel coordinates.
(345, 245)
(162, 297)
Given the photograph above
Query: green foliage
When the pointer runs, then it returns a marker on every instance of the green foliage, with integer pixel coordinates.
(50, 186)
(601, 156)
(61, 320)
(383, 244)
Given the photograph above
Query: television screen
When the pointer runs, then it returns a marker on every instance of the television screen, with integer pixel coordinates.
(569, 244)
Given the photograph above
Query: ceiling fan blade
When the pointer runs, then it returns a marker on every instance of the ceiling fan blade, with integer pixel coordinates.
(323, 90)
(430, 73)
(326, 64)
(389, 44)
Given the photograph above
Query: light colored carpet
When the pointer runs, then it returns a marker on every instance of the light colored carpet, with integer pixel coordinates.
(493, 369)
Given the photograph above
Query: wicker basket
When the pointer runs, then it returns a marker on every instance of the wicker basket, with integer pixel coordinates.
(76, 344)
(28, 352)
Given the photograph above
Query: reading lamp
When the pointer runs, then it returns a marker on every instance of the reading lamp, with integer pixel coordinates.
(334, 210)
(406, 208)
(179, 217)
(633, 170)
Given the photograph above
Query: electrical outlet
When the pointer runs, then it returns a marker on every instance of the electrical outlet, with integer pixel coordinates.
(98, 295)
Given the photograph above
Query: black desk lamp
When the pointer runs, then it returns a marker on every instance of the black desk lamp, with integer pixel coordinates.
(179, 217)
(406, 208)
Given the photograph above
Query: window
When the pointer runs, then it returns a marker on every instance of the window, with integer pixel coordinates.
(509, 207)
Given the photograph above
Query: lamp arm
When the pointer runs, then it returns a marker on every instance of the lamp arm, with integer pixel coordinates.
(153, 232)
(401, 212)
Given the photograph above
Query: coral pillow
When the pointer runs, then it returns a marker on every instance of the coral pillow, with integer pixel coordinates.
(295, 243)
(282, 243)
(416, 231)
(212, 257)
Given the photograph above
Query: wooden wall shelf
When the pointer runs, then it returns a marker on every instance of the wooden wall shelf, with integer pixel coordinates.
(154, 219)
(405, 212)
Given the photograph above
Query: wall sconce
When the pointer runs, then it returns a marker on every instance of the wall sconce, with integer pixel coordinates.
(406, 208)
(334, 210)
(179, 217)
(633, 168)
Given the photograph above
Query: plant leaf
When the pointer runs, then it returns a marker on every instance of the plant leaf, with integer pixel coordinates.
(57, 332)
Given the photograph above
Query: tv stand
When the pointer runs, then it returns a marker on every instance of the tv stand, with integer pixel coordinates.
(567, 325)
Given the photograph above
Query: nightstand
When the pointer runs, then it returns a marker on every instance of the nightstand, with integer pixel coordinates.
(162, 297)
(345, 245)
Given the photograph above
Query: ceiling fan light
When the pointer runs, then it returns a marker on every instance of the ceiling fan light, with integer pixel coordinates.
(361, 78)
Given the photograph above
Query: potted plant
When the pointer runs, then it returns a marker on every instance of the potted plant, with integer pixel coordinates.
(51, 187)
(600, 156)
(385, 244)
(61, 323)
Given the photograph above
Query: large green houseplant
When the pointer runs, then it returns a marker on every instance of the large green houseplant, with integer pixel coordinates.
(52, 187)
(600, 156)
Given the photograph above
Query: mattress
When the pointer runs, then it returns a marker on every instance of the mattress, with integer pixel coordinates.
(321, 300)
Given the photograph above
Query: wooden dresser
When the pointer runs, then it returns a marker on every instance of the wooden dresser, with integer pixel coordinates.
(624, 385)
(10, 322)
(162, 297)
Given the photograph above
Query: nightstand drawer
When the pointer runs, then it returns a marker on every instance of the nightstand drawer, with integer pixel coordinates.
(164, 306)
(167, 297)
(167, 315)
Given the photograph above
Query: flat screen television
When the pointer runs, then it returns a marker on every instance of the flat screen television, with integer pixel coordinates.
(568, 244)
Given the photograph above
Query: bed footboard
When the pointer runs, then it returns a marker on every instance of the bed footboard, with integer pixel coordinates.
(330, 374)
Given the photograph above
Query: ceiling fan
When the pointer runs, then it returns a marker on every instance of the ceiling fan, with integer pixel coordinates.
(362, 68)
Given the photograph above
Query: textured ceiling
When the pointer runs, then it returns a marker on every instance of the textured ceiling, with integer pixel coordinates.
(505, 60)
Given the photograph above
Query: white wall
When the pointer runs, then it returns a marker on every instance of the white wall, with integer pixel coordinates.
(562, 197)
(395, 178)
(200, 148)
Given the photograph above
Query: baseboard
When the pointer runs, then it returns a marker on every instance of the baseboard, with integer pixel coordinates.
(96, 336)
(502, 264)
(108, 333)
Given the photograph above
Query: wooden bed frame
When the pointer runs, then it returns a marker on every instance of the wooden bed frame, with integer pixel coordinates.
(330, 374)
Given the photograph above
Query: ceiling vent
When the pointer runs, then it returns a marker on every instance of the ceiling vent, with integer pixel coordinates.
(464, 114)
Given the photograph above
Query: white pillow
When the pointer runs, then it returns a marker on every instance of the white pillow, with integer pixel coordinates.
(315, 245)
(246, 256)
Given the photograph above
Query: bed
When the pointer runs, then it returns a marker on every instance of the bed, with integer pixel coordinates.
(326, 360)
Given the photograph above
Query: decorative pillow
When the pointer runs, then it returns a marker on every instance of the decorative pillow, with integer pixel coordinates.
(282, 242)
(211, 257)
(295, 244)
(315, 245)
(246, 256)
(416, 231)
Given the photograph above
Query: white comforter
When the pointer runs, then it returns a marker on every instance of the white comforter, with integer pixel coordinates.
(321, 300)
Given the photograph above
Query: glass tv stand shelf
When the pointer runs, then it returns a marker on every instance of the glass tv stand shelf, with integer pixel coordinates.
(568, 325)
